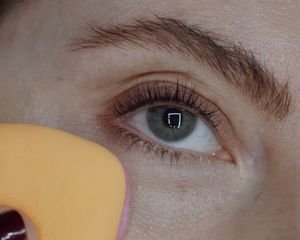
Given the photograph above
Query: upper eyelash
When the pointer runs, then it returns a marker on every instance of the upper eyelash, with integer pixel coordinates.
(148, 93)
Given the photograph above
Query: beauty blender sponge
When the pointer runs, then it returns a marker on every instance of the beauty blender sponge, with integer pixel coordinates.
(69, 187)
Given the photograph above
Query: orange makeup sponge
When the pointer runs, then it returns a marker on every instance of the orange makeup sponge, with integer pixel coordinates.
(70, 188)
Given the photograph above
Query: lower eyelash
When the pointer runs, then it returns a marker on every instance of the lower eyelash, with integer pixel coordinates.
(133, 139)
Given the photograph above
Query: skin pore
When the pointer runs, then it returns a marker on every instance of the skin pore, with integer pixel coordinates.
(254, 195)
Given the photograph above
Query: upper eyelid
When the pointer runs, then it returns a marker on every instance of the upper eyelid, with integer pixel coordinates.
(172, 78)
(165, 91)
(196, 105)
(239, 67)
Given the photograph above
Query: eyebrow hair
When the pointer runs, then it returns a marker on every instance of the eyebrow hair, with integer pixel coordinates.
(238, 65)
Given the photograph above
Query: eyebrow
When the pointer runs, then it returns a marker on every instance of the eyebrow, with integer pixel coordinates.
(238, 66)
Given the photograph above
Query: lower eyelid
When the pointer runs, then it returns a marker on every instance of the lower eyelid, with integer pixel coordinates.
(131, 142)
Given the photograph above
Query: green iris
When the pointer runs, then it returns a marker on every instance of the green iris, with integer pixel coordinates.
(170, 123)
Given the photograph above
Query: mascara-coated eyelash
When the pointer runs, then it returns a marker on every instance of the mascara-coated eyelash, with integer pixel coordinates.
(146, 94)
(158, 92)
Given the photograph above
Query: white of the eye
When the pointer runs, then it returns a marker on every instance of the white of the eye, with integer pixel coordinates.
(202, 139)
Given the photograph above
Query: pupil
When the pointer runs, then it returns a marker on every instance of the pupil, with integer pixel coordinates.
(173, 118)
(171, 124)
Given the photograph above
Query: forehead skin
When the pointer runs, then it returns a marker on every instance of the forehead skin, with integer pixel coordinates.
(271, 29)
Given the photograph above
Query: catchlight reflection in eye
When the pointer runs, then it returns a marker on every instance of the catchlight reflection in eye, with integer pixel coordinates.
(175, 127)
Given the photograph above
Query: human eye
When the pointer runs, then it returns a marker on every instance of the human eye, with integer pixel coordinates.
(176, 127)
(169, 119)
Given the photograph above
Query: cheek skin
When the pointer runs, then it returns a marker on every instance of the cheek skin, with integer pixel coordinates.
(199, 200)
